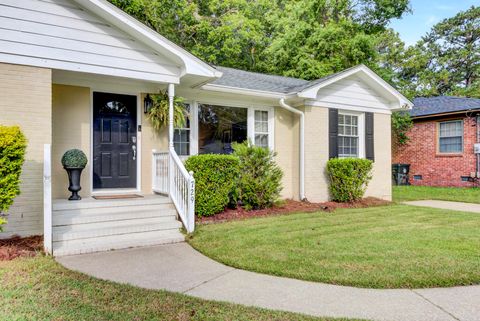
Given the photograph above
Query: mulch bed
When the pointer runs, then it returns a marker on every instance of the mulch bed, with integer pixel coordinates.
(17, 246)
(290, 206)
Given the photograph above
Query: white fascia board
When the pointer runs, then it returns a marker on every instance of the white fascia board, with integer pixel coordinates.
(191, 64)
(246, 92)
(88, 69)
(312, 103)
(312, 92)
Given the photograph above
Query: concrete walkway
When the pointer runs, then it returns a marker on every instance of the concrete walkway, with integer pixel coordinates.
(455, 206)
(179, 268)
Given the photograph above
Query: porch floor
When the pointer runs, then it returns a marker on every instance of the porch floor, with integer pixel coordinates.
(92, 225)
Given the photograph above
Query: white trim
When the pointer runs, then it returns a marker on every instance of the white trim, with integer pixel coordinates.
(47, 199)
(312, 92)
(361, 130)
(85, 68)
(271, 124)
(246, 92)
(138, 188)
(352, 108)
(191, 64)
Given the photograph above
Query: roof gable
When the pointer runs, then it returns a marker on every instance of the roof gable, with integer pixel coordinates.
(364, 75)
(77, 36)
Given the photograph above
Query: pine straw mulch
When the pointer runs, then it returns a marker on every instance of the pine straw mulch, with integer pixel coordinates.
(289, 207)
(17, 246)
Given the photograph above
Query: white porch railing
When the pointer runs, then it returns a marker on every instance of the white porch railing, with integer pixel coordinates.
(171, 177)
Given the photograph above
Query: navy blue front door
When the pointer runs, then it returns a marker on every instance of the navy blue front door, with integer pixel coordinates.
(114, 141)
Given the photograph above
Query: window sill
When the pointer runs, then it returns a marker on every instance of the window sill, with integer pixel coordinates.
(449, 155)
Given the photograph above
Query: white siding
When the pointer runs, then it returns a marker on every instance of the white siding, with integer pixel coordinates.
(59, 34)
(351, 92)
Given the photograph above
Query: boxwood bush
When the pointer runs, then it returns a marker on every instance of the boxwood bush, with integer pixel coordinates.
(74, 158)
(12, 156)
(259, 181)
(215, 177)
(349, 177)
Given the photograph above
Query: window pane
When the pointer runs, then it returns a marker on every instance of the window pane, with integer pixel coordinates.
(219, 126)
(181, 141)
(261, 115)
(450, 144)
(261, 126)
(261, 140)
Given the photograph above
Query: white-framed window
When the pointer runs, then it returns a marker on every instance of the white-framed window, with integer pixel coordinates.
(181, 136)
(261, 128)
(450, 136)
(351, 135)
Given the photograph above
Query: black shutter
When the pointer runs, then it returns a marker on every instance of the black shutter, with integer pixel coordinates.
(333, 132)
(369, 139)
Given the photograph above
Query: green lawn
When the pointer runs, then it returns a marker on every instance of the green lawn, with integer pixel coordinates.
(456, 194)
(396, 246)
(40, 289)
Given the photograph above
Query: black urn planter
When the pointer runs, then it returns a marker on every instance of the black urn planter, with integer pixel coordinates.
(74, 174)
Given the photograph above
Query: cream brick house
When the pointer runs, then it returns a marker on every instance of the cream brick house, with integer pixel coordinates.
(77, 74)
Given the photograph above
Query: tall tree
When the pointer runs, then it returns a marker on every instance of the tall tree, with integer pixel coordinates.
(301, 38)
(447, 60)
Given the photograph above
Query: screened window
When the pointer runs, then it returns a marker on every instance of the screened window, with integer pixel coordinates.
(181, 136)
(261, 128)
(450, 136)
(348, 138)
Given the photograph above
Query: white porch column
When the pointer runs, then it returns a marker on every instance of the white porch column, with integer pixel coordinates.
(47, 199)
(171, 95)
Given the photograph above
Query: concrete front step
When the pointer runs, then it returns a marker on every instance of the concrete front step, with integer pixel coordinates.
(116, 242)
(59, 205)
(92, 225)
(64, 234)
(159, 208)
(102, 224)
(69, 218)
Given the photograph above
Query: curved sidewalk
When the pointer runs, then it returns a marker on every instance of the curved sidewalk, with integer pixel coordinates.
(180, 268)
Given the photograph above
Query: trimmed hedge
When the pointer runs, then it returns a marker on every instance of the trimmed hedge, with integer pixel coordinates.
(215, 177)
(349, 177)
(259, 183)
(12, 156)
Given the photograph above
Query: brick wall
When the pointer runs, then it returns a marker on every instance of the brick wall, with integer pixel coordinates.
(26, 100)
(437, 169)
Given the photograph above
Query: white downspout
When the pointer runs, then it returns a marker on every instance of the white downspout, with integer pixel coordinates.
(302, 145)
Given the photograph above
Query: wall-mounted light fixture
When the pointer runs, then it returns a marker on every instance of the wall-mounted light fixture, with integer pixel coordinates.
(147, 104)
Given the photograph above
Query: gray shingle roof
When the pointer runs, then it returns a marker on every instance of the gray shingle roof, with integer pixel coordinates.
(256, 81)
(442, 104)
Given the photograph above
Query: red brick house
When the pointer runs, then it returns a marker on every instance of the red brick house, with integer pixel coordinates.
(441, 146)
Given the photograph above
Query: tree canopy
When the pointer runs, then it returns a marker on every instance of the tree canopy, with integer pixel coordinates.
(446, 61)
(312, 38)
(301, 38)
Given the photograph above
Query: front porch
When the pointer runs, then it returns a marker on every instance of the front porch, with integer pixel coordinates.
(93, 225)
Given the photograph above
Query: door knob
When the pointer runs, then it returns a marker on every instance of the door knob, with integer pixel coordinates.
(134, 148)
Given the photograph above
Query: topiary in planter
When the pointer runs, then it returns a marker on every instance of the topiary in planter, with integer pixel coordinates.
(74, 161)
(74, 158)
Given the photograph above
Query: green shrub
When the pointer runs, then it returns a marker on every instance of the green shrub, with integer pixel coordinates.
(2, 222)
(259, 182)
(74, 158)
(12, 155)
(349, 178)
(215, 176)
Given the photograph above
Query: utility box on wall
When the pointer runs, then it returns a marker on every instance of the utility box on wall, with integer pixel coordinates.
(476, 148)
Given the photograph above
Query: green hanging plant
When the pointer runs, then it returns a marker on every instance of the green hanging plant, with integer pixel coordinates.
(158, 114)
